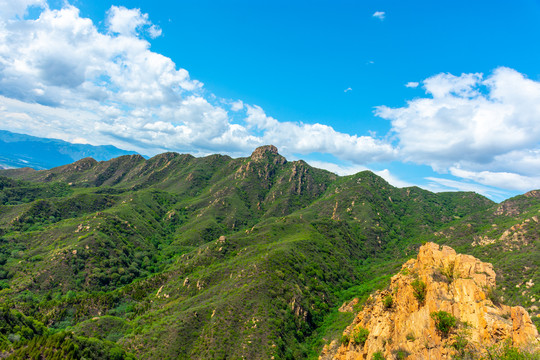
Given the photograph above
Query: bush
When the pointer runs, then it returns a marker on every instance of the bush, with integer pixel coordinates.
(448, 272)
(345, 339)
(388, 301)
(377, 356)
(360, 335)
(460, 344)
(444, 322)
(419, 288)
(506, 351)
(401, 354)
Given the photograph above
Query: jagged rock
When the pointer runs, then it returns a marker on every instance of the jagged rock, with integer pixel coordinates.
(262, 152)
(455, 283)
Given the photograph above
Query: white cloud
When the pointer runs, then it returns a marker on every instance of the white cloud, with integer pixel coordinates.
(62, 77)
(154, 31)
(309, 138)
(347, 89)
(412, 84)
(125, 21)
(486, 126)
(444, 85)
(379, 15)
(342, 170)
(503, 180)
(393, 179)
(18, 8)
(72, 81)
(237, 105)
(442, 185)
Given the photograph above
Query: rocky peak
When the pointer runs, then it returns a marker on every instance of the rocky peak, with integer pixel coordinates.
(263, 152)
(402, 322)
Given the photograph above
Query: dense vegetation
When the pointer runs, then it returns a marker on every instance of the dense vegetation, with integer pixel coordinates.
(215, 257)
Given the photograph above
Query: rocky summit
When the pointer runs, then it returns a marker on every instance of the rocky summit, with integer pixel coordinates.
(437, 307)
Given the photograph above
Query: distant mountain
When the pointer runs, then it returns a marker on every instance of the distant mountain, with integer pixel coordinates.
(178, 257)
(19, 150)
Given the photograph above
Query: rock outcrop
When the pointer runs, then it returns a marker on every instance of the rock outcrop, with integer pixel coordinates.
(402, 321)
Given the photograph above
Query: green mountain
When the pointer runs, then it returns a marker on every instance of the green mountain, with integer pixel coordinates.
(214, 257)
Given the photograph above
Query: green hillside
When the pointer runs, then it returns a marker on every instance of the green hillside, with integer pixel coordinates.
(213, 258)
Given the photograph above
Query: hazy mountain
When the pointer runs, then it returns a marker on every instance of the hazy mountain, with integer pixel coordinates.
(19, 150)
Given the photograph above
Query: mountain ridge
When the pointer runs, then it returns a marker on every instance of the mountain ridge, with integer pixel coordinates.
(222, 257)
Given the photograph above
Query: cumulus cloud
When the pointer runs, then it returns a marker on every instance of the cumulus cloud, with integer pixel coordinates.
(379, 15)
(18, 8)
(309, 138)
(129, 22)
(72, 81)
(486, 126)
(60, 76)
(412, 84)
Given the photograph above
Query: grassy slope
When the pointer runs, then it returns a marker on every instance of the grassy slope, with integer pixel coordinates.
(139, 241)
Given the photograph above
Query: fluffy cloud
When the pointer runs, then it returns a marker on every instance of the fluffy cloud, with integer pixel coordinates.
(62, 77)
(18, 8)
(71, 81)
(309, 138)
(129, 22)
(480, 128)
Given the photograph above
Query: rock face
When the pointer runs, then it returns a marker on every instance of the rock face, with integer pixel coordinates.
(400, 319)
(263, 151)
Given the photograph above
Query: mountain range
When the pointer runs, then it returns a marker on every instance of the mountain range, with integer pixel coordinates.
(19, 150)
(218, 258)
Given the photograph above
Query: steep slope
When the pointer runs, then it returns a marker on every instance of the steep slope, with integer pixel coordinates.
(437, 307)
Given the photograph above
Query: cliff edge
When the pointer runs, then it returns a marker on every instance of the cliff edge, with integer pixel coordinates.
(438, 307)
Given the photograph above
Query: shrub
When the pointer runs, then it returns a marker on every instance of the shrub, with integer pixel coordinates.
(401, 354)
(448, 272)
(345, 339)
(506, 351)
(419, 288)
(388, 301)
(410, 337)
(377, 356)
(360, 335)
(444, 322)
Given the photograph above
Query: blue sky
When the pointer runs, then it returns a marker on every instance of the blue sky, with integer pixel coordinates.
(442, 94)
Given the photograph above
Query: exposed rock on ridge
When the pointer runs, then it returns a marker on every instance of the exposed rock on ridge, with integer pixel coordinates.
(262, 152)
(455, 283)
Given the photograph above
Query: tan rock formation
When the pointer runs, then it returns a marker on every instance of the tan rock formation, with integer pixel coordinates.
(400, 322)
